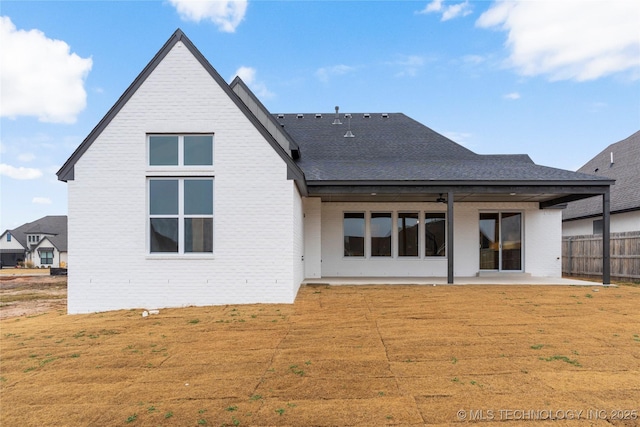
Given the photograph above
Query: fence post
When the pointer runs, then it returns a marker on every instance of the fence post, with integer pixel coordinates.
(606, 248)
(569, 247)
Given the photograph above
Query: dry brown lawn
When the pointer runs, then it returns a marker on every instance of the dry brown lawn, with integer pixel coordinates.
(352, 355)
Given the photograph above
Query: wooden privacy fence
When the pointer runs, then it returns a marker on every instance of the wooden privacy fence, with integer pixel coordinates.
(582, 255)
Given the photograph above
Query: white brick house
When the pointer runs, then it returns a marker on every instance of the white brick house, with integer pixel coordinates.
(189, 192)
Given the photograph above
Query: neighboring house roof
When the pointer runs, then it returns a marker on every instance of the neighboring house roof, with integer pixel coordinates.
(625, 169)
(45, 244)
(59, 241)
(54, 227)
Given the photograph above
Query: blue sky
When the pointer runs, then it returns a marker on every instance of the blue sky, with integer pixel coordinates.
(558, 80)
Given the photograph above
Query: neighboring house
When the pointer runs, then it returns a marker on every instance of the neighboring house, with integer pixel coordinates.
(42, 242)
(189, 192)
(619, 161)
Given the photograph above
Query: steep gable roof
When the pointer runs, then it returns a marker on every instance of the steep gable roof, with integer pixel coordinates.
(59, 242)
(625, 169)
(66, 172)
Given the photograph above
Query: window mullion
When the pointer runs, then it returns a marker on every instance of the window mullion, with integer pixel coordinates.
(181, 150)
(181, 216)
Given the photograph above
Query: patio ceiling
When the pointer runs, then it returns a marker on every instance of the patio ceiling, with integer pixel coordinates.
(546, 195)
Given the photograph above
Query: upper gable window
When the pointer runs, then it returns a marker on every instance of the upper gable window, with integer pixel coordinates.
(181, 150)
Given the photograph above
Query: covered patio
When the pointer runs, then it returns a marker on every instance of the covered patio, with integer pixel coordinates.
(455, 195)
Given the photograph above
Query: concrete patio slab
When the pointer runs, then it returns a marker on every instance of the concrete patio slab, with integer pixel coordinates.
(491, 279)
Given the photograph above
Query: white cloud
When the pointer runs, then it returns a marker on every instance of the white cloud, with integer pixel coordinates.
(512, 95)
(410, 65)
(26, 157)
(248, 75)
(40, 76)
(325, 73)
(225, 14)
(473, 59)
(596, 107)
(41, 201)
(569, 39)
(447, 12)
(20, 172)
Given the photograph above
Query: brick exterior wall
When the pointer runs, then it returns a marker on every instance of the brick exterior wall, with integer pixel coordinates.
(257, 211)
(541, 241)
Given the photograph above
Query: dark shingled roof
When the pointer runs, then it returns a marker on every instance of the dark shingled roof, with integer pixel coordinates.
(625, 169)
(394, 147)
(54, 226)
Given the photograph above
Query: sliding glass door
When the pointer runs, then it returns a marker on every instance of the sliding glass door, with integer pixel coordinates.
(501, 241)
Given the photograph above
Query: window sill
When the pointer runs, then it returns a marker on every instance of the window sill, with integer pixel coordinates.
(164, 257)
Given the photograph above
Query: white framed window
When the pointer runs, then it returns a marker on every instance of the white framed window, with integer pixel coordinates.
(180, 194)
(180, 215)
(180, 150)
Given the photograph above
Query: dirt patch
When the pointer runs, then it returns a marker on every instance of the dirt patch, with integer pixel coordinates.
(339, 356)
(22, 295)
